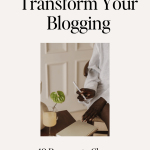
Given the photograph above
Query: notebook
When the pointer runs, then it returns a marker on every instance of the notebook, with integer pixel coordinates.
(78, 128)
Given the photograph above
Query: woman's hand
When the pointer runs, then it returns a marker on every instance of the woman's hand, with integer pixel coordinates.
(88, 93)
(95, 108)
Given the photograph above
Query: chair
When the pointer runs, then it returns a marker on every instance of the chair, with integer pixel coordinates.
(96, 119)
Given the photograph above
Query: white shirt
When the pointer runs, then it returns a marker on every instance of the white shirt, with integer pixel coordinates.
(98, 74)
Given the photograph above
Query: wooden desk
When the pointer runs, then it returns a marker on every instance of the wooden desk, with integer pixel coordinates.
(64, 120)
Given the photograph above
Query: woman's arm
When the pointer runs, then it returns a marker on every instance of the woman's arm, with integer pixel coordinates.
(91, 82)
(93, 111)
(92, 79)
(90, 86)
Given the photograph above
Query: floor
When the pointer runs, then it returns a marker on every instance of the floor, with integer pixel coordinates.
(101, 126)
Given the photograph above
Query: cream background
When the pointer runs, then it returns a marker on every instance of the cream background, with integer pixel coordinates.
(21, 35)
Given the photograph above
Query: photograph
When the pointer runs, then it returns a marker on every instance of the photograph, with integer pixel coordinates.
(74, 89)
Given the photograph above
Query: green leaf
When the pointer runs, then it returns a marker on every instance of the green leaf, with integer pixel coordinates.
(58, 97)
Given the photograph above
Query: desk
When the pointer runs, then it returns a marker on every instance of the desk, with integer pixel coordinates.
(64, 119)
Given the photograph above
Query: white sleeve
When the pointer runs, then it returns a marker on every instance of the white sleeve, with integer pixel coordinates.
(92, 79)
(105, 95)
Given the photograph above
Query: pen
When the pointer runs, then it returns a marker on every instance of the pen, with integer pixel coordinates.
(79, 90)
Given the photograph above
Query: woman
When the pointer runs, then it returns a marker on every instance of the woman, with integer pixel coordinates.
(96, 87)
